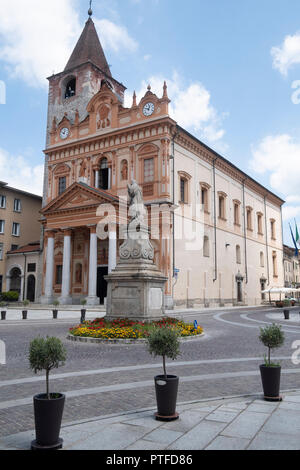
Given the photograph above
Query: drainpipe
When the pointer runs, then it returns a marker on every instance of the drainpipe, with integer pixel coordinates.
(173, 196)
(245, 232)
(267, 247)
(215, 219)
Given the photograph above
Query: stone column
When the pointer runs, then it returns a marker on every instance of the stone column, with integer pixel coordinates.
(112, 251)
(92, 298)
(97, 177)
(47, 298)
(66, 298)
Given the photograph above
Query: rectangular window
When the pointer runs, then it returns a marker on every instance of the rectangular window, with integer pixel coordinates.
(31, 267)
(1, 251)
(249, 219)
(236, 214)
(62, 185)
(148, 170)
(274, 258)
(259, 224)
(16, 229)
(2, 202)
(221, 207)
(14, 247)
(273, 234)
(58, 277)
(204, 198)
(182, 190)
(2, 225)
(17, 205)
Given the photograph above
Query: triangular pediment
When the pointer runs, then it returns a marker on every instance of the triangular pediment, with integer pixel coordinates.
(79, 196)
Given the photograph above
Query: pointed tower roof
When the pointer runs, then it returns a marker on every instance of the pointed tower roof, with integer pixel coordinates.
(89, 49)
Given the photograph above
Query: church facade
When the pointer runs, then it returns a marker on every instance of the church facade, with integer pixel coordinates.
(216, 233)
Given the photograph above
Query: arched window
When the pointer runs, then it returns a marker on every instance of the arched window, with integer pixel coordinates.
(238, 254)
(104, 174)
(206, 246)
(70, 88)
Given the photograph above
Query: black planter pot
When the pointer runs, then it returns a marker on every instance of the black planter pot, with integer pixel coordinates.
(3, 315)
(166, 396)
(83, 312)
(48, 417)
(270, 377)
(24, 314)
(286, 314)
(55, 313)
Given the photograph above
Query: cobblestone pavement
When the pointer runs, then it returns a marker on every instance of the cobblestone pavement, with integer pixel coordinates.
(103, 379)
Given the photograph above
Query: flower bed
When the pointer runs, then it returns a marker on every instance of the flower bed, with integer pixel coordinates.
(127, 329)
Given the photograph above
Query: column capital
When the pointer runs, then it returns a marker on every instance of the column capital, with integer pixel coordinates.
(67, 232)
(49, 234)
(92, 228)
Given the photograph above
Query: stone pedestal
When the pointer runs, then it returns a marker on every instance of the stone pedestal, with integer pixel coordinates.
(136, 287)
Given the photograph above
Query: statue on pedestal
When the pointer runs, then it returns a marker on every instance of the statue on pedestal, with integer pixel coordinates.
(137, 246)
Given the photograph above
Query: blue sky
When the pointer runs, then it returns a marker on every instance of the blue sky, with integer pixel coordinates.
(230, 68)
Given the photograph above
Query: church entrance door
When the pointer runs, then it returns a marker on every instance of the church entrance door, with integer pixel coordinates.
(102, 284)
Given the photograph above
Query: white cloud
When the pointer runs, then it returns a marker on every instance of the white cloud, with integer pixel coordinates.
(288, 54)
(37, 38)
(278, 156)
(18, 172)
(190, 106)
(115, 37)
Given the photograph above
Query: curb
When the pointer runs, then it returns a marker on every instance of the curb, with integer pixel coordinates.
(81, 339)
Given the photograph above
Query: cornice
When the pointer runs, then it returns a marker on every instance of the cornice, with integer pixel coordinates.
(116, 133)
(192, 144)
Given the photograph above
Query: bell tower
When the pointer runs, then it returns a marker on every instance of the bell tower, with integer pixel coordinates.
(71, 90)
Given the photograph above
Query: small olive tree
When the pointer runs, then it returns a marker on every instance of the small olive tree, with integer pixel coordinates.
(46, 354)
(272, 337)
(164, 342)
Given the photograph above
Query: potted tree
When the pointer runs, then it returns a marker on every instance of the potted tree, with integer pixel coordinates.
(3, 312)
(272, 337)
(55, 311)
(164, 342)
(25, 311)
(83, 311)
(286, 311)
(45, 355)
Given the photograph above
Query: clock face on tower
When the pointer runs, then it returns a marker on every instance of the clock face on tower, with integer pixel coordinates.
(148, 109)
(64, 133)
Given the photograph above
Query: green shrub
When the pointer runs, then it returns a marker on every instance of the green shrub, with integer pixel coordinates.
(26, 303)
(164, 342)
(272, 337)
(46, 354)
(56, 303)
(10, 296)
